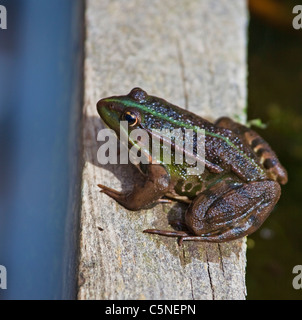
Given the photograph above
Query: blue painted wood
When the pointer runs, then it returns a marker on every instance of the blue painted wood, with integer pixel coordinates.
(41, 56)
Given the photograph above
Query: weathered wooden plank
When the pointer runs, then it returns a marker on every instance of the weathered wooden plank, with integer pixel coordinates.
(193, 54)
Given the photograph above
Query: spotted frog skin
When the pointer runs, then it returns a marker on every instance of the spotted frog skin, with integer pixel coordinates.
(240, 184)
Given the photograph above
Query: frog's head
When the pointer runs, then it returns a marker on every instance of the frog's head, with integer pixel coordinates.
(143, 111)
(130, 110)
(123, 108)
(155, 117)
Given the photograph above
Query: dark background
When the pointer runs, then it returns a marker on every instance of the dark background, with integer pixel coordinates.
(275, 96)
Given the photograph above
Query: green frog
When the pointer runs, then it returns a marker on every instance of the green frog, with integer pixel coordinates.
(230, 199)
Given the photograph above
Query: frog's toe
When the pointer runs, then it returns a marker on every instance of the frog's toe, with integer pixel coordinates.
(109, 191)
(169, 233)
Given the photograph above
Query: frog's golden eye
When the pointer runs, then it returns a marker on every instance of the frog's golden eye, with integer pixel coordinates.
(132, 117)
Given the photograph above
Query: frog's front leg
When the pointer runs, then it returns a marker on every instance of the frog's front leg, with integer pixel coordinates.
(157, 183)
(227, 211)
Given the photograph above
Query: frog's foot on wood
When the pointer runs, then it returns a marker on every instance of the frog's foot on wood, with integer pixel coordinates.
(187, 236)
(182, 235)
(169, 233)
(109, 191)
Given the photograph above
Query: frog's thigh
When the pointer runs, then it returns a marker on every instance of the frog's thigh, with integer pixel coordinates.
(228, 213)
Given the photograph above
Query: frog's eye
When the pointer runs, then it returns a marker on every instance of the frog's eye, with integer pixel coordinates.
(132, 117)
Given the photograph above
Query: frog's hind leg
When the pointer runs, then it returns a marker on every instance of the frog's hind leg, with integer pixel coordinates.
(227, 211)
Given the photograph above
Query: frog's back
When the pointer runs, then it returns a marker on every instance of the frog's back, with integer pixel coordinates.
(228, 151)
(224, 150)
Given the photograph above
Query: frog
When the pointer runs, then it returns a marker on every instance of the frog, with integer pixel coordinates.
(233, 195)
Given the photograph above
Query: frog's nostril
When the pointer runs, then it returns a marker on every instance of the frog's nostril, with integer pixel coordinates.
(99, 106)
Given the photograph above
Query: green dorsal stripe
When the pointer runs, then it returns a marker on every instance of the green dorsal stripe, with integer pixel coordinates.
(133, 104)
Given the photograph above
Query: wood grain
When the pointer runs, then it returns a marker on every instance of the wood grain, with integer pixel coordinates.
(193, 54)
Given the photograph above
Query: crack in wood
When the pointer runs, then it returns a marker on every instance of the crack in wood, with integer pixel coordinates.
(192, 288)
(210, 277)
(221, 259)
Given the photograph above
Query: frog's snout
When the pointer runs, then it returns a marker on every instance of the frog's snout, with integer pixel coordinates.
(109, 105)
(110, 111)
(102, 105)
